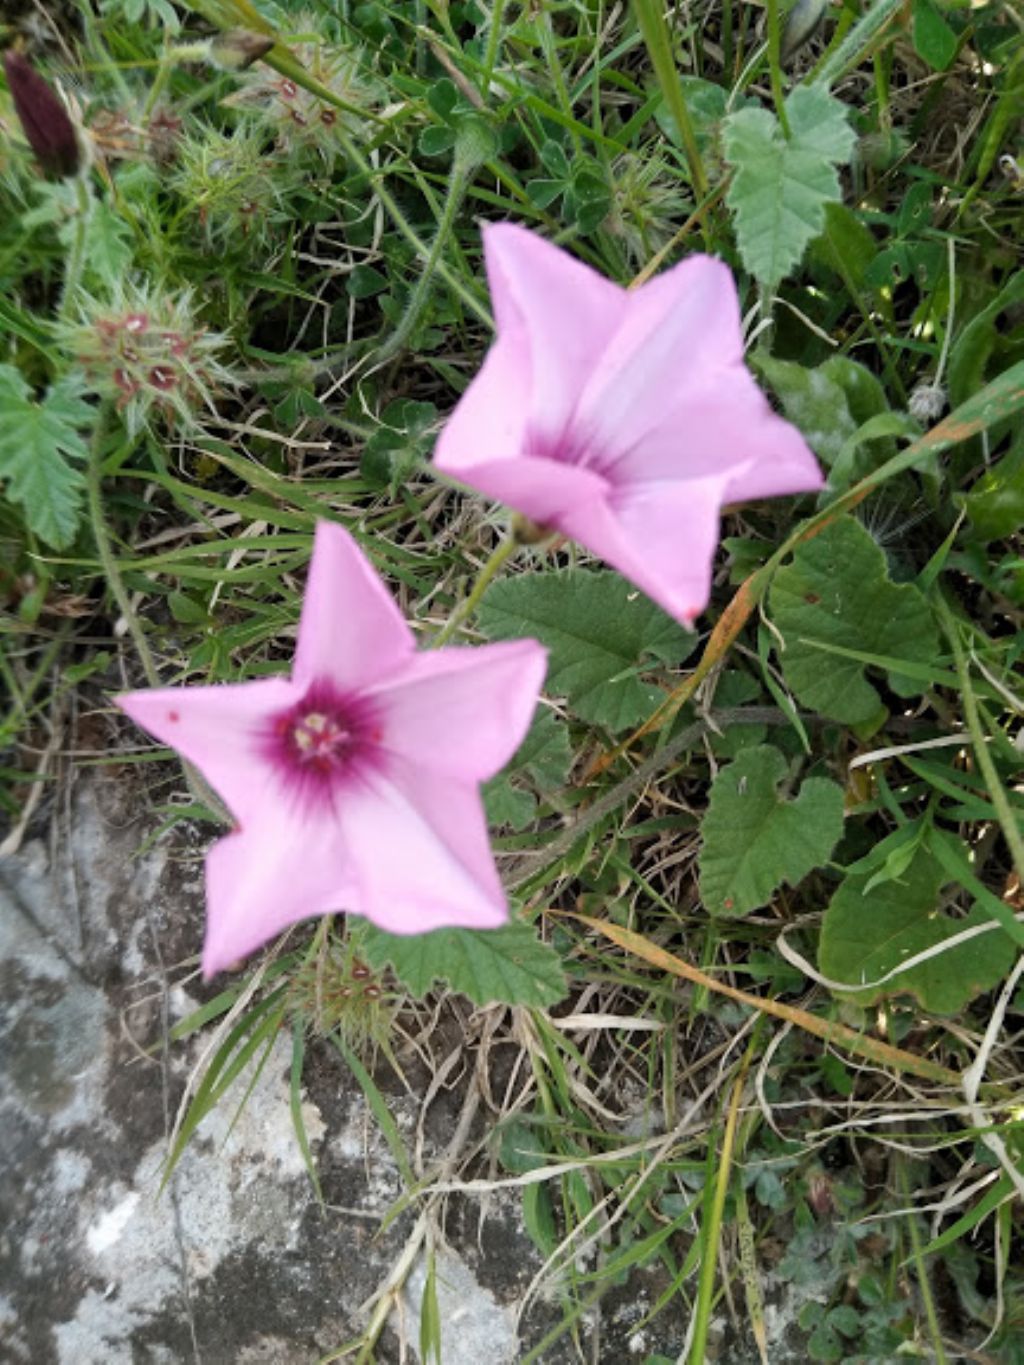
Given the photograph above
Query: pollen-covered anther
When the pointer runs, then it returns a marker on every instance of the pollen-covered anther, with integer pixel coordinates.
(320, 738)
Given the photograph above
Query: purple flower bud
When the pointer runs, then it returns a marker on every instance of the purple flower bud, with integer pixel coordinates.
(47, 124)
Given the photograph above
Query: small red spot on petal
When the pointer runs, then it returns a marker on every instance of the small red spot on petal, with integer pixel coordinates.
(173, 715)
(377, 735)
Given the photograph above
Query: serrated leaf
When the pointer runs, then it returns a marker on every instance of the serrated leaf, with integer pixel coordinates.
(511, 964)
(602, 636)
(864, 936)
(35, 438)
(837, 591)
(108, 243)
(781, 186)
(754, 840)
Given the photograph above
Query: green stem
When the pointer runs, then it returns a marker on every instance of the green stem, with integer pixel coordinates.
(491, 55)
(502, 552)
(979, 740)
(94, 487)
(655, 35)
(76, 257)
(458, 183)
(775, 66)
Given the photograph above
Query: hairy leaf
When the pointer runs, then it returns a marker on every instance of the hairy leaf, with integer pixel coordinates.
(866, 934)
(35, 441)
(781, 185)
(755, 839)
(837, 592)
(602, 635)
(510, 964)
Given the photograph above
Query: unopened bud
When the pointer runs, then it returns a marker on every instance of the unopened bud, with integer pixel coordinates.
(237, 48)
(48, 128)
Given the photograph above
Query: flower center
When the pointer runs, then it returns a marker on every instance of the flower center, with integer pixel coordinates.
(322, 743)
(321, 739)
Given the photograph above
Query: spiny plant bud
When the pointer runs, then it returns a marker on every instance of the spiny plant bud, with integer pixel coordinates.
(48, 128)
(237, 48)
(147, 351)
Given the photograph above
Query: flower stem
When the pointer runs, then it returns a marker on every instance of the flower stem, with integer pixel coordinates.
(654, 32)
(76, 257)
(94, 484)
(775, 68)
(502, 552)
(458, 183)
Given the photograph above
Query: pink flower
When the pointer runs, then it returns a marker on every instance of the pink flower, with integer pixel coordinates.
(624, 420)
(354, 782)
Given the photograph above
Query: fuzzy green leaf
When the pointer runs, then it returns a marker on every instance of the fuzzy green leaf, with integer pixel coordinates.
(602, 635)
(837, 592)
(35, 441)
(108, 243)
(781, 186)
(754, 840)
(866, 934)
(510, 964)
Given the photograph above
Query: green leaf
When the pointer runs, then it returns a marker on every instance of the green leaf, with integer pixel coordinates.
(934, 40)
(108, 243)
(35, 438)
(543, 759)
(846, 245)
(510, 964)
(365, 281)
(601, 633)
(781, 186)
(754, 840)
(837, 592)
(864, 936)
(813, 401)
(995, 504)
(972, 350)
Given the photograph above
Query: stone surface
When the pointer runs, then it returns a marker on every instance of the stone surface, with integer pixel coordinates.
(235, 1262)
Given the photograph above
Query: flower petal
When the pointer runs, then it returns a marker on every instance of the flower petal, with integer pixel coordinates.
(541, 489)
(221, 730)
(351, 631)
(679, 331)
(463, 712)
(728, 430)
(558, 311)
(281, 870)
(661, 536)
(492, 417)
(421, 852)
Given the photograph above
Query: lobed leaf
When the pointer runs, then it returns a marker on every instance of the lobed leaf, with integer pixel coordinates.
(36, 441)
(781, 185)
(837, 592)
(602, 636)
(755, 839)
(510, 964)
(866, 934)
